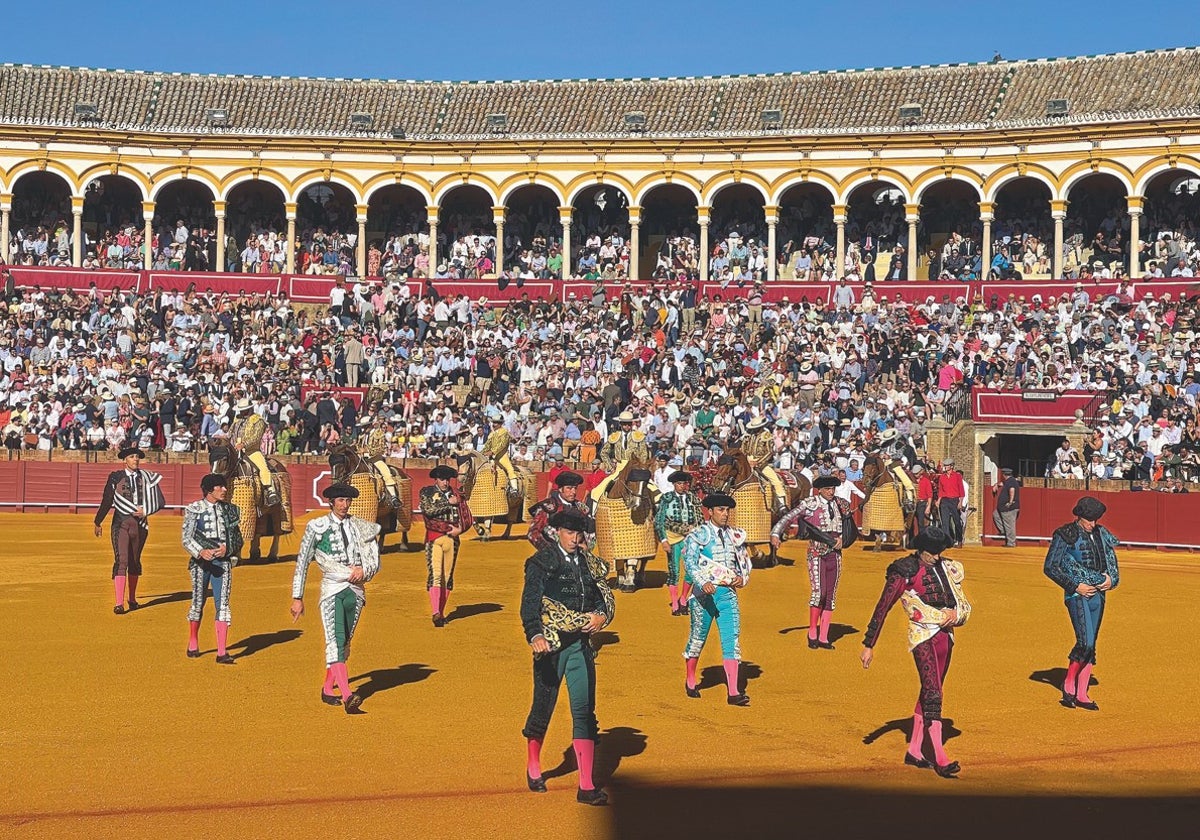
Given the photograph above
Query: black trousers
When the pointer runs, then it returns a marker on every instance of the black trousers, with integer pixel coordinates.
(951, 518)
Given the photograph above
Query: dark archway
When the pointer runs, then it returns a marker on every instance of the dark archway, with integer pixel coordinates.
(598, 213)
(875, 223)
(1169, 215)
(466, 230)
(738, 213)
(111, 202)
(670, 232)
(805, 225)
(253, 209)
(397, 231)
(1098, 219)
(185, 223)
(949, 207)
(326, 229)
(531, 224)
(1022, 225)
(40, 222)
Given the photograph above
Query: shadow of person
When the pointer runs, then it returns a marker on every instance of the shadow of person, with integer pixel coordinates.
(603, 639)
(468, 610)
(167, 598)
(1056, 677)
(261, 641)
(904, 726)
(714, 675)
(615, 744)
(654, 580)
(836, 631)
(383, 679)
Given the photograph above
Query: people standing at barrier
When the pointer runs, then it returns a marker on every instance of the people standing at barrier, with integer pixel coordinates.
(951, 495)
(677, 515)
(1082, 559)
(564, 601)
(929, 589)
(212, 538)
(1007, 493)
(133, 496)
(346, 549)
(926, 502)
(446, 516)
(718, 564)
(822, 515)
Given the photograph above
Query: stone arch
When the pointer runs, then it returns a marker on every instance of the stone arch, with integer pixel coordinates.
(389, 179)
(1098, 207)
(738, 208)
(248, 175)
(254, 205)
(855, 180)
(453, 182)
(133, 176)
(949, 208)
(530, 179)
(396, 209)
(657, 180)
(317, 177)
(933, 177)
(598, 210)
(805, 223)
(26, 166)
(40, 198)
(188, 200)
(531, 213)
(1022, 222)
(798, 177)
(162, 180)
(1154, 168)
(875, 215)
(576, 186)
(752, 180)
(1085, 169)
(465, 212)
(998, 179)
(111, 201)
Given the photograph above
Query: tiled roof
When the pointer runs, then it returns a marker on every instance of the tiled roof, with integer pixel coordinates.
(951, 97)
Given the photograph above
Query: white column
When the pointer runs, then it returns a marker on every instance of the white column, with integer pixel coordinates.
(290, 246)
(77, 230)
(703, 218)
(499, 213)
(219, 212)
(1135, 234)
(1058, 212)
(912, 215)
(360, 252)
(635, 242)
(432, 219)
(5, 211)
(566, 215)
(839, 221)
(986, 215)
(772, 214)
(147, 235)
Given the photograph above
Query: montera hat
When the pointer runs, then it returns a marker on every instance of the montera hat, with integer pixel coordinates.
(678, 476)
(130, 450)
(716, 500)
(1089, 508)
(568, 479)
(443, 471)
(933, 540)
(826, 481)
(340, 491)
(572, 520)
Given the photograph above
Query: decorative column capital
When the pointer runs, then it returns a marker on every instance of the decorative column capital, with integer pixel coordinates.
(1058, 205)
(912, 213)
(77, 205)
(219, 209)
(289, 210)
(1135, 204)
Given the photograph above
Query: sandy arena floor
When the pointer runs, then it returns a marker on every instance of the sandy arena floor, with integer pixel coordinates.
(112, 732)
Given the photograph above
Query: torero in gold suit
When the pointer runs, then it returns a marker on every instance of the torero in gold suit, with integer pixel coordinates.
(621, 448)
(759, 448)
(496, 447)
(374, 447)
(246, 436)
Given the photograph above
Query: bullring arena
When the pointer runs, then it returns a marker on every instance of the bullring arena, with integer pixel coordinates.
(114, 732)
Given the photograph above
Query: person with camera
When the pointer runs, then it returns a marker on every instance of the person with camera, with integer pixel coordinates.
(212, 538)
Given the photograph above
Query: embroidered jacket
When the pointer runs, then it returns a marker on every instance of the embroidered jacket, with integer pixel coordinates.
(572, 582)
(760, 448)
(927, 592)
(209, 524)
(623, 446)
(822, 520)
(540, 532)
(336, 551)
(1076, 557)
(497, 443)
(678, 514)
(716, 555)
(123, 495)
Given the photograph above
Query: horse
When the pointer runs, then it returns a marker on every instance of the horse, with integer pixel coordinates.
(245, 491)
(350, 467)
(625, 524)
(485, 487)
(755, 514)
(887, 513)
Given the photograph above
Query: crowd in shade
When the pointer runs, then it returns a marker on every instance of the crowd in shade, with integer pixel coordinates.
(103, 370)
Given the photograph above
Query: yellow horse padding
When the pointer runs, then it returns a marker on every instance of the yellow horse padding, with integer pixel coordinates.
(489, 495)
(751, 513)
(882, 512)
(618, 537)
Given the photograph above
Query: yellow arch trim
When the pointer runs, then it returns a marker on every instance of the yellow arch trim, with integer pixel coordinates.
(868, 175)
(388, 179)
(248, 175)
(1152, 168)
(729, 178)
(799, 176)
(172, 175)
(27, 166)
(659, 179)
(611, 179)
(1011, 172)
(957, 173)
(127, 172)
(530, 179)
(314, 177)
(1078, 171)
(443, 187)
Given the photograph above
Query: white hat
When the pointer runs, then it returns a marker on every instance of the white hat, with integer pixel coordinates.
(242, 405)
(625, 417)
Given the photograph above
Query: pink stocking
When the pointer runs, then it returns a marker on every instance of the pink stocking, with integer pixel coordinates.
(133, 579)
(585, 755)
(674, 590)
(445, 596)
(814, 621)
(328, 687)
(533, 762)
(825, 616)
(691, 672)
(1072, 676)
(935, 738)
(222, 636)
(435, 599)
(918, 736)
(341, 678)
(685, 589)
(119, 589)
(193, 635)
(731, 675)
(1085, 677)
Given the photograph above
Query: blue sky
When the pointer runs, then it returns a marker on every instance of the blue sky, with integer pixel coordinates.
(504, 40)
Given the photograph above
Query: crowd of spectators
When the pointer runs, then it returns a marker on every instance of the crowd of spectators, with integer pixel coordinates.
(99, 370)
